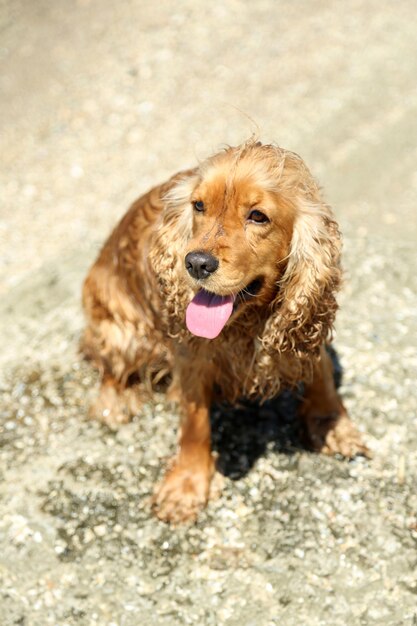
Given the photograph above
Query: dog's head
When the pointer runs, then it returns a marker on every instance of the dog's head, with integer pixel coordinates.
(257, 234)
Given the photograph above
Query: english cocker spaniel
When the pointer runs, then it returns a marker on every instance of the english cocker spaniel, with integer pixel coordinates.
(225, 277)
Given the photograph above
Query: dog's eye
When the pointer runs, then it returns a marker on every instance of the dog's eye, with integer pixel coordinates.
(258, 217)
(198, 205)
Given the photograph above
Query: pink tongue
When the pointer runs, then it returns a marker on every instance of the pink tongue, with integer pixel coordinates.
(207, 314)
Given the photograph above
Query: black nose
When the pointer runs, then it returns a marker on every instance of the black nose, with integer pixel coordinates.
(200, 264)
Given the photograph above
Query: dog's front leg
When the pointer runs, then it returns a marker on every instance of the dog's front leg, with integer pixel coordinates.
(185, 487)
(329, 428)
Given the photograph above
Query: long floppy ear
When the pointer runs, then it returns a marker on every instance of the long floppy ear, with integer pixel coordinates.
(303, 313)
(166, 253)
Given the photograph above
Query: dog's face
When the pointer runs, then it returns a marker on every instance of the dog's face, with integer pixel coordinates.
(250, 228)
(241, 236)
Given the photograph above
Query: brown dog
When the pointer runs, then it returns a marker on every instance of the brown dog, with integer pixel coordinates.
(224, 276)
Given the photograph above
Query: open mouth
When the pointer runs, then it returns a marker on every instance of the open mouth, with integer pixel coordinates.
(248, 292)
(208, 313)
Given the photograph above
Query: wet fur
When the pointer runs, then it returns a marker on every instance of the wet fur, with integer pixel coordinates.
(136, 294)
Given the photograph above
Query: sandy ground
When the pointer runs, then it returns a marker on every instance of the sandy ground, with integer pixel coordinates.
(99, 100)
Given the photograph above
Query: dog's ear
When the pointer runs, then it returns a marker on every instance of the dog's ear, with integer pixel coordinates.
(177, 216)
(166, 255)
(303, 312)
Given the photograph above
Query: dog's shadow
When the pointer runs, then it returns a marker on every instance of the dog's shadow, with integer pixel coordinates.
(242, 434)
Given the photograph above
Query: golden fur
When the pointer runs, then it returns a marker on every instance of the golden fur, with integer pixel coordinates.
(137, 292)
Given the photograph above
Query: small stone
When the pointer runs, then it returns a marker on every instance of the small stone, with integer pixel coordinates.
(100, 530)
(88, 535)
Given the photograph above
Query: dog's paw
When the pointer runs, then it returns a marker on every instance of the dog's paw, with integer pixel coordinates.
(336, 436)
(183, 492)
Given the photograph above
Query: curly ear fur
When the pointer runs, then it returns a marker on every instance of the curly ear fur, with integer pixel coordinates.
(166, 257)
(303, 312)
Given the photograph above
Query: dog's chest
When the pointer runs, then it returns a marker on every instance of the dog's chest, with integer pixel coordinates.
(234, 358)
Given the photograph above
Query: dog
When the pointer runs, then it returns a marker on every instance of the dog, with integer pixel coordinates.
(224, 277)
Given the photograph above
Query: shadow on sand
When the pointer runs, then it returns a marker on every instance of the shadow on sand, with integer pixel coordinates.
(242, 434)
